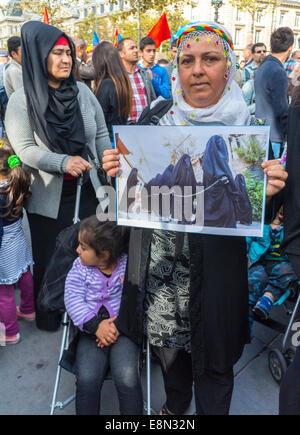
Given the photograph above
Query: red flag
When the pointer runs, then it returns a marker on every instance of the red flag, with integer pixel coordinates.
(118, 38)
(160, 31)
(46, 19)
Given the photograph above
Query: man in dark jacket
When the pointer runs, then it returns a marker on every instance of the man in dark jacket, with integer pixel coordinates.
(271, 87)
(289, 398)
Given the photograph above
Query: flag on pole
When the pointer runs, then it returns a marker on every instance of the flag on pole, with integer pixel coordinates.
(160, 31)
(95, 39)
(46, 19)
(118, 38)
(89, 48)
(172, 39)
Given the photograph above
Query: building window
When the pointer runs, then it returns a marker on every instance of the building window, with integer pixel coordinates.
(237, 36)
(111, 6)
(259, 16)
(121, 4)
(281, 19)
(85, 12)
(238, 15)
(102, 8)
(257, 36)
(94, 10)
(297, 21)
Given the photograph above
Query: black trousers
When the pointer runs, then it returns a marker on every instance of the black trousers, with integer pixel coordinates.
(213, 390)
(44, 231)
(289, 395)
(92, 363)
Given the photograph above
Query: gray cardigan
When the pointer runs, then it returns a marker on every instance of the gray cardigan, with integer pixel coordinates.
(12, 77)
(45, 167)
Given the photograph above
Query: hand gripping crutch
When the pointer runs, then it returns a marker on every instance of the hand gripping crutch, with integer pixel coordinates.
(66, 321)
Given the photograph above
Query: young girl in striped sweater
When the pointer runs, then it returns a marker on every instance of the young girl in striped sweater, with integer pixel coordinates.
(93, 293)
(15, 255)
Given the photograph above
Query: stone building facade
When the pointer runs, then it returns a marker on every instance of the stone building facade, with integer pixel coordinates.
(236, 21)
(239, 22)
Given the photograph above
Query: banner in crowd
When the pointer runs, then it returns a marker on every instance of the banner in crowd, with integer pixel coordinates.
(202, 179)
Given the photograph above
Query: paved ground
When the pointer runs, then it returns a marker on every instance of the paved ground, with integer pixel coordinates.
(27, 373)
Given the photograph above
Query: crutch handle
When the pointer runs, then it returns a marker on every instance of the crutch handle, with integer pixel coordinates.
(78, 195)
(100, 171)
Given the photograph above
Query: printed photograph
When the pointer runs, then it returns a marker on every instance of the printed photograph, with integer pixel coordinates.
(204, 179)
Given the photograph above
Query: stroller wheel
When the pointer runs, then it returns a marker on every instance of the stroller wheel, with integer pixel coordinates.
(277, 365)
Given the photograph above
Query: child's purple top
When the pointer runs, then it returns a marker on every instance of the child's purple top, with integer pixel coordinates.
(87, 289)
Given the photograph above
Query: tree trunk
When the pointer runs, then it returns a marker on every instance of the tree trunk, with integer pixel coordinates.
(252, 41)
(272, 23)
(139, 22)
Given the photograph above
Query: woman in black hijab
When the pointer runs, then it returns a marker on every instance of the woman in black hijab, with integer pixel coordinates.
(50, 122)
(289, 397)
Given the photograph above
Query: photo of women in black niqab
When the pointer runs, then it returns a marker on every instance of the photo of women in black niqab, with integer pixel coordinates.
(183, 176)
(243, 206)
(159, 180)
(220, 192)
(128, 197)
(179, 175)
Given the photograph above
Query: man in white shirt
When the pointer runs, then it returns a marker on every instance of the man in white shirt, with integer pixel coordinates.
(12, 73)
(85, 69)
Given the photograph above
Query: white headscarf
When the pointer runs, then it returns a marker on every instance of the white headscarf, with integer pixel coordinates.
(231, 109)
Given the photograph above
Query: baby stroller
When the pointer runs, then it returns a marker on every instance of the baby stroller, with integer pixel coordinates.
(279, 359)
(66, 249)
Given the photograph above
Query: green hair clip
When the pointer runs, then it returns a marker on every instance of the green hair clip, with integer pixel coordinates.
(13, 161)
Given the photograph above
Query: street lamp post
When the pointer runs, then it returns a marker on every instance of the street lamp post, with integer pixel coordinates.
(217, 4)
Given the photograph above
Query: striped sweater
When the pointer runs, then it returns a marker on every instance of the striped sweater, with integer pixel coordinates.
(87, 290)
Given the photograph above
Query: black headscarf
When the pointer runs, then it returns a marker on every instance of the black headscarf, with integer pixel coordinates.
(54, 114)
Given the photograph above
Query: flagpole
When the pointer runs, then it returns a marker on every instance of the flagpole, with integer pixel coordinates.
(96, 22)
(139, 22)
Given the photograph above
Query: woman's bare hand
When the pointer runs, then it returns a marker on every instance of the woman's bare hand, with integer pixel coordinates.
(277, 176)
(77, 165)
(111, 162)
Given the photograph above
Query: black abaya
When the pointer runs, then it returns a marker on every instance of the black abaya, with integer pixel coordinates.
(220, 192)
(44, 232)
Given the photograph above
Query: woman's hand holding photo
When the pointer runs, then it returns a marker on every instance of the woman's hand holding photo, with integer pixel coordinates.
(277, 176)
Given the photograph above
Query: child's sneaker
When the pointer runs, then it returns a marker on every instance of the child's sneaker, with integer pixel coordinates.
(29, 317)
(13, 339)
(263, 307)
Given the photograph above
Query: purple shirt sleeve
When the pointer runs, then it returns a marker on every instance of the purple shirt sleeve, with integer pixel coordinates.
(75, 291)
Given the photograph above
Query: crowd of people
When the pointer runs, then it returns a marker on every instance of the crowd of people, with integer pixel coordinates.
(189, 294)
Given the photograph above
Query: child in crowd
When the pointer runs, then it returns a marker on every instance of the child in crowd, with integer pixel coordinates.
(15, 255)
(93, 293)
(270, 272)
